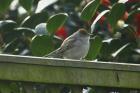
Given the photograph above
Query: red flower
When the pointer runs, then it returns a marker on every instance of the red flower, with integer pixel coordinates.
(137, 19)
(137, 23)
(138, 32)
(102, 19)
(62, 33)
(105, 2)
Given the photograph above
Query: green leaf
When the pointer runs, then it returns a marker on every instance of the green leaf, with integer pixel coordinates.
(7, 25)
(55, 22)
(129, 32)
(32, 21)
(25, 31)
(43, 4)
(41, 45)
(4, 4)
(89, 10)
(7, 29)
(27, 4)
(115, 44)
(109, 46)
(74, 2)
(137, 51)
(10, 47)
(132, 15)
(105, 52)
(97, 19)
(115, 14)
(95, 46)
(116, 53)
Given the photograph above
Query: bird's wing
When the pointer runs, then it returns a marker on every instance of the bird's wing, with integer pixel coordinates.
(66, 45)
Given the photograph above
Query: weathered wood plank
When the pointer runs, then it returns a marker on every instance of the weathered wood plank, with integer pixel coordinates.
(68, 62)
(73, 72)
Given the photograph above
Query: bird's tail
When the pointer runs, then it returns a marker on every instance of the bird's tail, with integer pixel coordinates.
(55, 54)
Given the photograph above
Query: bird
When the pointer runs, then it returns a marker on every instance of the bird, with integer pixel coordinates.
(76, 46)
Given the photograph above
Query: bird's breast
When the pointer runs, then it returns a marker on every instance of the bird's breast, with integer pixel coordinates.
(79, 50)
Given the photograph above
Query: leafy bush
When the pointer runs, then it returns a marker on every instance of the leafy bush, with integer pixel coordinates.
(114, 24)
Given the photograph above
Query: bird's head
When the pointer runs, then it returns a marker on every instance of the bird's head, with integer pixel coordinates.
(83, 32)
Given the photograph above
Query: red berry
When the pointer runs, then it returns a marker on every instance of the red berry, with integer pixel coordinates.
(62, 33)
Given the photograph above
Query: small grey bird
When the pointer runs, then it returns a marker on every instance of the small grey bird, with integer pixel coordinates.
(75, 46)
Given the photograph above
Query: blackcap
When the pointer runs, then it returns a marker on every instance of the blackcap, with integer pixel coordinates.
(75, 46)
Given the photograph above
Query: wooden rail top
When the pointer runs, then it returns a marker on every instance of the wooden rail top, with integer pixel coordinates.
(66, 71)
(67, 62)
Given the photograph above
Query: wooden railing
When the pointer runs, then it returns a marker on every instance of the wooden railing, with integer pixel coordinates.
(27, 74)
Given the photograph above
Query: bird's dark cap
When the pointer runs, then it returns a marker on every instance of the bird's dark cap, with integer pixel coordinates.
(84, 31)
